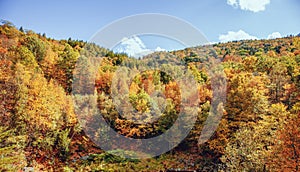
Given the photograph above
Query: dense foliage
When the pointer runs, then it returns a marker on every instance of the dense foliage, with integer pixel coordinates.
(259, 130)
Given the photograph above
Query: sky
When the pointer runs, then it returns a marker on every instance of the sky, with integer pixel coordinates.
(218, 20)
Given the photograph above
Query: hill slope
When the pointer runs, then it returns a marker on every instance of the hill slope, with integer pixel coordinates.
(259, 129)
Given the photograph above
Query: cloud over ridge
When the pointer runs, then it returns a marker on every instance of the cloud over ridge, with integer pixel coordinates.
(239, 35)
(135, 47)
(242, 35)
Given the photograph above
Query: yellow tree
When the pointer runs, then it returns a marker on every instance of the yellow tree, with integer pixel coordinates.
(11, 152)
(42, 111)
(246, 98)
(251, 147)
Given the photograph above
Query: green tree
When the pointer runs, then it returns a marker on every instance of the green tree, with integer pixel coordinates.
(36, 46)
(26, 57)
(12, 156)
(65, 66)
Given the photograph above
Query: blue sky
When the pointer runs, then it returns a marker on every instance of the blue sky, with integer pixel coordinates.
(218, 20)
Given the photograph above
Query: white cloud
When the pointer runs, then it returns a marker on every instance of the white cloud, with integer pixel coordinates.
(249, 5)
(211, 43)
(274, 35)
(239, 35)
(134, 47)
(232, 2)
(159, 49)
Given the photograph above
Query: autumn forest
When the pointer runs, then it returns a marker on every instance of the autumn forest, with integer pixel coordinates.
(40, 128)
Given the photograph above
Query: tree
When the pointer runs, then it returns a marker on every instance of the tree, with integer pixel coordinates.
(65, 66)
(278, 77)
(21, 29)
(26, 58)
(36, 46)
(246, 99)
(11, 152)
(251, 147)
(286, 154)
(43, 111)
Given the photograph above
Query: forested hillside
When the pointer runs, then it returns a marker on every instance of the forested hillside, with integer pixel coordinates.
(259, 129)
